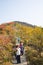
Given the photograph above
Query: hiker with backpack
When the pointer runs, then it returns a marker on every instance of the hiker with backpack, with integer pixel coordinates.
(18, 53)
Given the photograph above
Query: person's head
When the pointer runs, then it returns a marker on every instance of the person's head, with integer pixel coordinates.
(21, 43)
(17, 46)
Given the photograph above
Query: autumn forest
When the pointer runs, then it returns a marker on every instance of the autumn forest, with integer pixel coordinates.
(32, 37)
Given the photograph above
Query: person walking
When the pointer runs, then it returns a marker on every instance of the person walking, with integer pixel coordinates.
(18, 53)
(22, 48)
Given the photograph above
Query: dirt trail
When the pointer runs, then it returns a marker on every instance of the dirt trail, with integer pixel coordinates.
(23, 61)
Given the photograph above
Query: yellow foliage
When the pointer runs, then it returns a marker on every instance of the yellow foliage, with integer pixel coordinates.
(7, 63)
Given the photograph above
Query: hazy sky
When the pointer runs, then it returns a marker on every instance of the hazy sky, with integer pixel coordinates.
(30, 11)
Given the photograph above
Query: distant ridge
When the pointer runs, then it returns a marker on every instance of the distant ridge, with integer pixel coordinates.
(24, 23)
(14, 22)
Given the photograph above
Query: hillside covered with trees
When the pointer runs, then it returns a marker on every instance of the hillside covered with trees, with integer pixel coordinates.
(32, 37)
